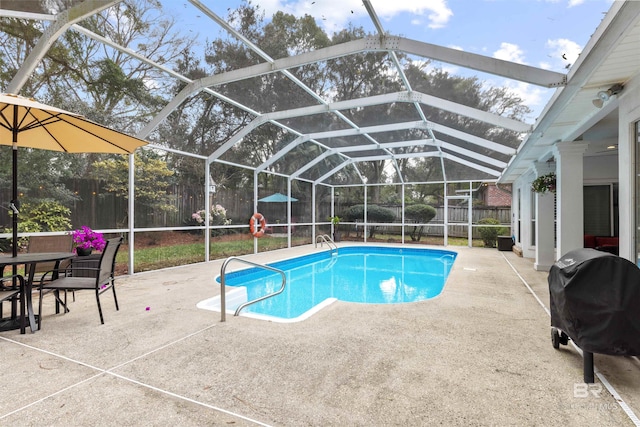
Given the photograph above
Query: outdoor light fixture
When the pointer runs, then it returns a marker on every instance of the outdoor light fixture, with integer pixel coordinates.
(604, 95)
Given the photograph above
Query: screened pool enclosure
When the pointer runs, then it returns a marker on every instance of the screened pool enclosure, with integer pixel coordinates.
(251, 112)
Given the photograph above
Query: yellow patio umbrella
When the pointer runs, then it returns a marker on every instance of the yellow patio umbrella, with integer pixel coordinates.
(25, 122)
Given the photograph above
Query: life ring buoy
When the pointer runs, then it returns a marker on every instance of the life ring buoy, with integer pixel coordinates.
(257, 225)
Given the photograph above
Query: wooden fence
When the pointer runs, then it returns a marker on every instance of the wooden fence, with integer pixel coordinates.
(458, 217)
(104, 210)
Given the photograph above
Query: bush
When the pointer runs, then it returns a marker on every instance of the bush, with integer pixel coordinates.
(217, 216)
(44, 216)
(490, 234)
(375, 213)
(420, 214)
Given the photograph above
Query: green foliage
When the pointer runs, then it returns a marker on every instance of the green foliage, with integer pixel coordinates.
(40, 217)
(544, 183)
(421, 214)
(335, 220)
(153, 177)
(117, 89)
(43, 216)
(375, 213)
(78, 74)
(353, 213)
(490, 234)
(47, 215)
(156, 257)
(25, 225)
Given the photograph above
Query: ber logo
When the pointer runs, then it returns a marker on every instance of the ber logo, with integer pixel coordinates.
(584, 390)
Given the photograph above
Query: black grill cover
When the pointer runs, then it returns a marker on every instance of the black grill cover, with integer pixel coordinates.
(595, 300)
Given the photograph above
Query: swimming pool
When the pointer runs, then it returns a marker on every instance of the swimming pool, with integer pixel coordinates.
(360, 274)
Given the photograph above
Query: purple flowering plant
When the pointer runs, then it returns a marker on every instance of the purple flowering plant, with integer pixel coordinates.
(86, 238)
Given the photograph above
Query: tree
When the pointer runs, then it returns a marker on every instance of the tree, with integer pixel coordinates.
(469, 91)
(80, 74)
(153, 178)
(421, 214)
(113, 87)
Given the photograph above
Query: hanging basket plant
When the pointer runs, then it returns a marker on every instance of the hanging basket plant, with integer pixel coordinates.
(544, 183)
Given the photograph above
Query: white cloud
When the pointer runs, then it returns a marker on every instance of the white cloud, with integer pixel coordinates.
(334, 15)
(544, 65)
(532, 96)
(510, 52)
(571, 3)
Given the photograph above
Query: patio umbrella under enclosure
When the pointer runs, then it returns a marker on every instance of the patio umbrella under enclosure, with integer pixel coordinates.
(28, 123)
(277, 198)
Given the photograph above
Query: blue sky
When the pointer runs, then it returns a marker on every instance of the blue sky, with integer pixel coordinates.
(548, 34)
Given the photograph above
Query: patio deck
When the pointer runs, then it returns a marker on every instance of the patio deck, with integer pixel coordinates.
(479, 354)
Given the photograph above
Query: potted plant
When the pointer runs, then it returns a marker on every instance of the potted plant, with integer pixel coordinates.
(86, 240)
(335, 221)
(544, 183)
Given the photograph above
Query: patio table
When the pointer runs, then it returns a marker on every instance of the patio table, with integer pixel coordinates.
(28, 259)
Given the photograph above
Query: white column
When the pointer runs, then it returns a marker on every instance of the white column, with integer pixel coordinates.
(569, 196)
(545, 227)
(629, 113)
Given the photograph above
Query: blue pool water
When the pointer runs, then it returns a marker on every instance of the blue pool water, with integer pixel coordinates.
(361, 274)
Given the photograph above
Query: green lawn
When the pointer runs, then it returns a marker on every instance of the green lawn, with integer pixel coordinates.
(157, 257)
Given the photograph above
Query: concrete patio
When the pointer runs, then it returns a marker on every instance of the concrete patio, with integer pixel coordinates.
(479, 354)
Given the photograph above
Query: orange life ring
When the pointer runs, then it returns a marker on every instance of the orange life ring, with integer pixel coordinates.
(257, 225)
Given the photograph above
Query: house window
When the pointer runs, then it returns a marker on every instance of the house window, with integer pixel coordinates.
(518, 215)
(600, 210)
(534, 208)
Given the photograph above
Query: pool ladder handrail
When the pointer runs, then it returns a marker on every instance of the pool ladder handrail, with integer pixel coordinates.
(223, 302)
(328, 240)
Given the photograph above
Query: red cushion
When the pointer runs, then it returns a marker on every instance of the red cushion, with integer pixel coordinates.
(589, 241)
(606, 241)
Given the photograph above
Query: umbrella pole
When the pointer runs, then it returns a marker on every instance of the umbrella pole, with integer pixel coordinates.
(15, 205)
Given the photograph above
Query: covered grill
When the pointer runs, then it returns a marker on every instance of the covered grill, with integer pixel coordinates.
(595, 300)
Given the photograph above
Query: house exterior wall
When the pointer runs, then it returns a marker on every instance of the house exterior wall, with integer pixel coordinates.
(493, 195)
(603, 169)
(522, 209)
(597, 170)
(629, 113)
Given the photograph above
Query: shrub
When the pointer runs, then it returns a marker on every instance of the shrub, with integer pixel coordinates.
(375, 213)
(47, 215)
(490, 234)
(420, 214)
(218, 216)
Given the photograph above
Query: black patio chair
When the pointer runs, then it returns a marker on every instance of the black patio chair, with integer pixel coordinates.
(102, 280)
(58, 243)
(9, 292)
(39, 244)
